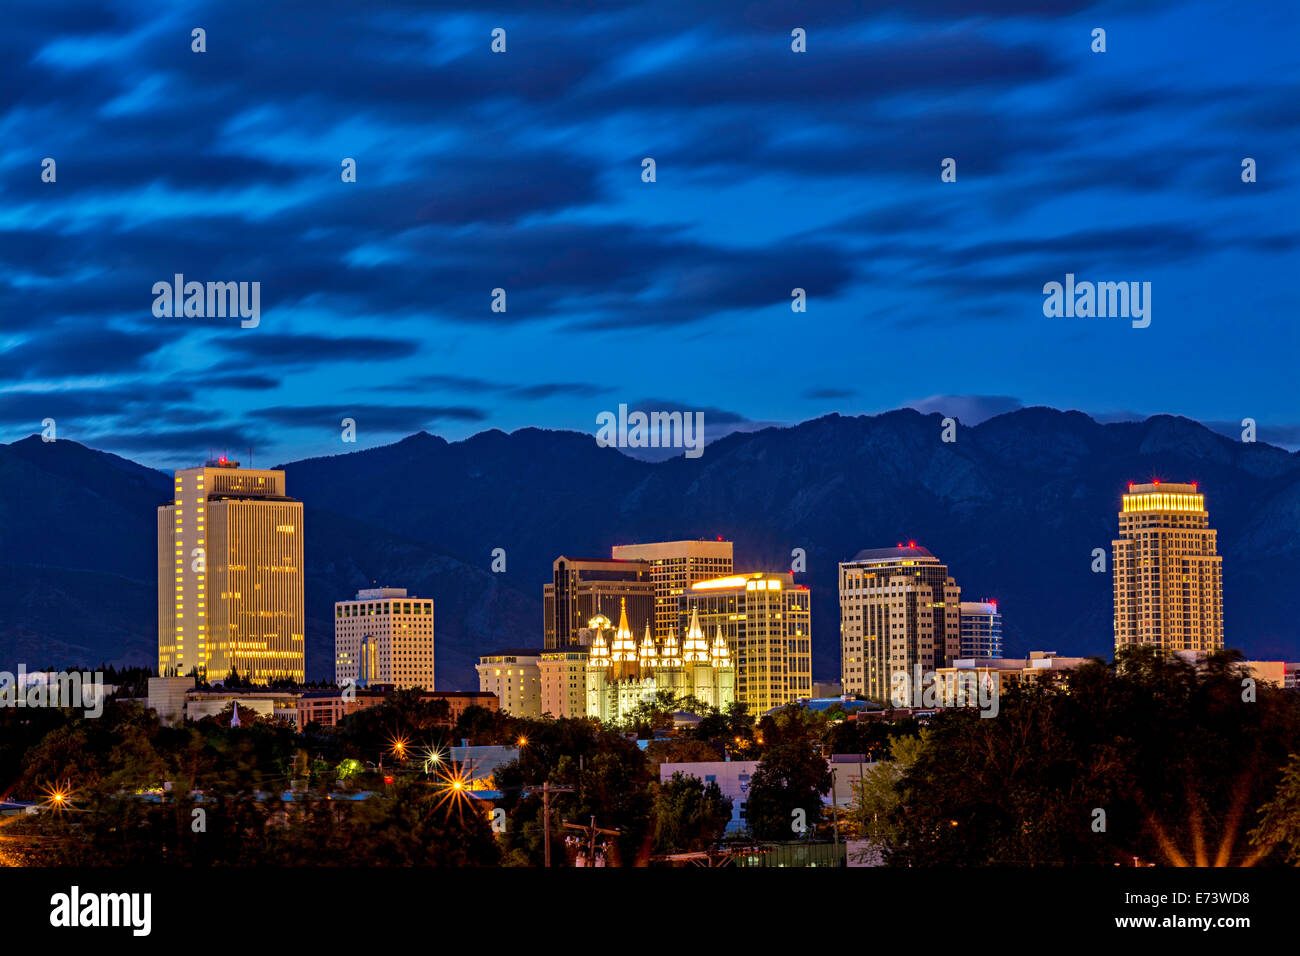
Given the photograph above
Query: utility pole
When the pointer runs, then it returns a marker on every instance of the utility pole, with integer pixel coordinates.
(591, 832)
(546, 790)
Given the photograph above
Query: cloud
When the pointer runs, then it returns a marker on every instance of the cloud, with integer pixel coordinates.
(52, 355)
(295, 349)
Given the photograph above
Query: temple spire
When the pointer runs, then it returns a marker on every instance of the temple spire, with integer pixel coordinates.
(695, 649)
(719, 654)
(647, 651)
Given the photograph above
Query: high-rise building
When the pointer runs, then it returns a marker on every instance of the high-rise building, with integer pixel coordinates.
(230, 576)
(583, 588)
(384, 637)
(1167, 571)
(674, 567)
(766, 621)
(899, 611)
(981, 629)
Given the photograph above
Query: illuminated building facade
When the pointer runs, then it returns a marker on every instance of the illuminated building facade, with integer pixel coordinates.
(981, 629)
(674, 567)
(230, 576)
(515, 677)
(582, 588)
(1168, 575)
(622, 674)
(899, 610)
(563, 676)
(384, 637)
(766, 621)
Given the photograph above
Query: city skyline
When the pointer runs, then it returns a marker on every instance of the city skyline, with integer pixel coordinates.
(900, 611)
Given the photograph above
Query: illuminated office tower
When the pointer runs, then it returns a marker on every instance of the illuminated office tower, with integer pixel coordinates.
(981, 630)
(674, 567)
(583, 588)
(1167, 571)
(384, 637)
(766, 621)
(899, 610)
(230, 575)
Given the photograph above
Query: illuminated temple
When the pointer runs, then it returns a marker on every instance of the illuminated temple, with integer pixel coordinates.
(622, 674)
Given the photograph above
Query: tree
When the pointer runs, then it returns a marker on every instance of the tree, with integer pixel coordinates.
(1279, 823)
(877, 798)
(690, 815)
(786, 790)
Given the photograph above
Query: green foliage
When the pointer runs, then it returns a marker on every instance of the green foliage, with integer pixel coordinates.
(791, 776)
(1279, 824)
(689, 814)
(877, 797)
(1175, 758)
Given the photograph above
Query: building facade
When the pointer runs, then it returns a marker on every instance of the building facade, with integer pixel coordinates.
(961, 684)
(674, 567)
(384, 636)
(563, 675)
(1168, 576)
(583, 588)
(766, 621)
(230, 576)
(900, 610)
(328, 707)
(623, 674)
(981, 629)
(515, 677)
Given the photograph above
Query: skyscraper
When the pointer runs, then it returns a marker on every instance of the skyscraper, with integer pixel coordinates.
(981, 629)
(384, 637)
(766, 621)
(230, 575)
(583, 588)
(899, 610)
(1168, 575)
(674, 567)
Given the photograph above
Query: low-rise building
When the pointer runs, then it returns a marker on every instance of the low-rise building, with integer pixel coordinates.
(176, 699)
(733, 778)
(515, 677)
(328, 707)
(957, 685)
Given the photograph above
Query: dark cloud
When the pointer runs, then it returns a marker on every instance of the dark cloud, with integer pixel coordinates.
(54, 354)
(276, 349)
(521, 171)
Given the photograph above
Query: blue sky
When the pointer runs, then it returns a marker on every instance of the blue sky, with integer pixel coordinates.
(522, 171)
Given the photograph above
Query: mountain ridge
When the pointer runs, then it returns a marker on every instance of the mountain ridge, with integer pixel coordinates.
(1014, 507)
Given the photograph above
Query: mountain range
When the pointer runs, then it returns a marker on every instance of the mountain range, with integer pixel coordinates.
(1014, 507)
